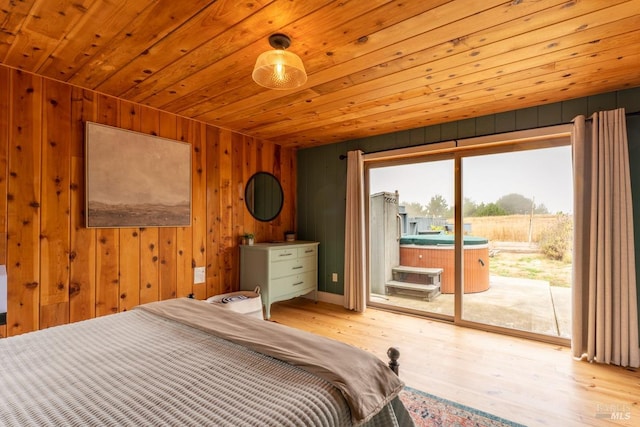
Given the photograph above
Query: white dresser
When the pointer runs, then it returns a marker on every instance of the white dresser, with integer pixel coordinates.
(282, 270)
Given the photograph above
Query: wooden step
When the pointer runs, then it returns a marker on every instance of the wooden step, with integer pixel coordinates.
(427, 292)
(417, 270)
(410, 285)
(425, 275)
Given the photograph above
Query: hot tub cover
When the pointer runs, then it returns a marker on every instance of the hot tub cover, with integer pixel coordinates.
(439, 240)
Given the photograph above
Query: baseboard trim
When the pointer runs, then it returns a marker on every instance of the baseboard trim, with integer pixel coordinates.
(328, 297)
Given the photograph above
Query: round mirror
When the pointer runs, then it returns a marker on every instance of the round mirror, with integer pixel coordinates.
(263, 196)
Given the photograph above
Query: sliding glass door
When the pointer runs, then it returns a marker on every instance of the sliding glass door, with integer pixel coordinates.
(517, 270)
(504, 265)
(410, 215)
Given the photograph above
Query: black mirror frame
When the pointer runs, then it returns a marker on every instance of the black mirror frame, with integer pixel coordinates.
(248, 198)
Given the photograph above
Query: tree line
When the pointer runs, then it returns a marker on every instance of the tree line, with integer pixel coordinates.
(510, 204)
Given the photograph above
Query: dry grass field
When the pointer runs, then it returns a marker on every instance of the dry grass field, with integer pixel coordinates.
(511, 228)
(515, 255)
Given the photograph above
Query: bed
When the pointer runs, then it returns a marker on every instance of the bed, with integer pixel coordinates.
(187, 362)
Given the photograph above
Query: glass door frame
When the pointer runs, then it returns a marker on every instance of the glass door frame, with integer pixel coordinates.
(553, 136)
(432, 152)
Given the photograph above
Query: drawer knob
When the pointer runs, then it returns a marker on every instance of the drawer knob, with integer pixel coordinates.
(298, 283)
(297, 267)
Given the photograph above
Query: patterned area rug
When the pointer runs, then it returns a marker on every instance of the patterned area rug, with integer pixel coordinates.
(432, 411)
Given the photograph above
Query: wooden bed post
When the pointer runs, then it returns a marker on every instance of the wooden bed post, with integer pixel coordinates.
(393, 354)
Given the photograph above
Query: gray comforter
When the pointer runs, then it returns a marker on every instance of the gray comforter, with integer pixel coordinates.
(160, 365)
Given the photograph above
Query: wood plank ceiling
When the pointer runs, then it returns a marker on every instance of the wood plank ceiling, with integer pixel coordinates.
(374, 66)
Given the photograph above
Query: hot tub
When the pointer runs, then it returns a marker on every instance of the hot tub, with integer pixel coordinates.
(437, 250)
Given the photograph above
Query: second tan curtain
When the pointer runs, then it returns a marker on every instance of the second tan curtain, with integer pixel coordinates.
(605, 315)
(355, 271)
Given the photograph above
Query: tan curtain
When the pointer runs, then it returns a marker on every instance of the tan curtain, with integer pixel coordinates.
(605, 315)
(355, 272)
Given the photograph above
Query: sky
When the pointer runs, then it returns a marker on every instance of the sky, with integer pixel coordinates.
(544, 175)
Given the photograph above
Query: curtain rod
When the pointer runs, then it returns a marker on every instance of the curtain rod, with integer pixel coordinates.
(344, 156)
(634, 113)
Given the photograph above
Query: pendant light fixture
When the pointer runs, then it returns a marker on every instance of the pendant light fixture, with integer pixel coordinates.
(279, 68)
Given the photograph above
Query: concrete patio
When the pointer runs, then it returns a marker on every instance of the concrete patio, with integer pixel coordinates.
(523, 304)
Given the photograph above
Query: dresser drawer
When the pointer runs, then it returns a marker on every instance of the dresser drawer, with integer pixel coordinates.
(293, 285)
(307, 251)
(293, 266)
(284, 254)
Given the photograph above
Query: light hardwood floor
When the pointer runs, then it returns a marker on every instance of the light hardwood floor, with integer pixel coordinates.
(529, 382)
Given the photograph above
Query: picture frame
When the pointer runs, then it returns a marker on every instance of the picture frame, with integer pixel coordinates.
(134, 179)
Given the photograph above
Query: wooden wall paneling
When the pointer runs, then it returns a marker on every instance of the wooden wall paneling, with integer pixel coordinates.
(167, 251)
(149, 256)
(199, 203)
(184, 271)
(149, 288)
(276, 223)
(128, 268)
(271, 161)
(237, 184)
(286, 222)
(5, 90)
(289, 184)
(263, 164)
(226, 191)
(184, 235)
(250, 162)
(129, 116)
(265, 229)
(108, 270)
(23, 210)
(129, 238)
(55, 245)
(266, 159)
(246, 223)
(213, 211)
(108, 239)
(82, 275)
(237, 193)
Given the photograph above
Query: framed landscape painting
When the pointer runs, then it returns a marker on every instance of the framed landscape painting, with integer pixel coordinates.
(135, 180)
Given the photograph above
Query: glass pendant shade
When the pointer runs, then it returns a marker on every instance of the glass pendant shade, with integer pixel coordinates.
(279, 69)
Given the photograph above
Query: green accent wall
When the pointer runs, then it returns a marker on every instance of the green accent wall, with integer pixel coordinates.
(321, 184)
